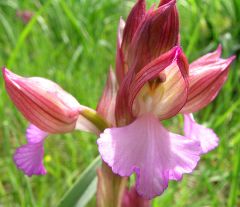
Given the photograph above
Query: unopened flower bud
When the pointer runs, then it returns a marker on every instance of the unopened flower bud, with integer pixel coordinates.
(43, 102)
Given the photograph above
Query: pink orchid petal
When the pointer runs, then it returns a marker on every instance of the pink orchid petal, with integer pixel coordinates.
(148, 149)
(207, 138)
(173, 21)
(106, 105)
(35, 135)
(122, 113)
(161, 87)
(29, 159)
(43, 102)
(120, 65)
(134, 19)
(209, 58)
(206, 77)
(162, 2)
(165, 99)
(157, 33)
(121, 27)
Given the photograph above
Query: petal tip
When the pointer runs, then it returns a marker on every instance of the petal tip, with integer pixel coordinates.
(179, 50)
(167, 3)
(232, 58)
(206, 137)
(5, 71)
(219, 49)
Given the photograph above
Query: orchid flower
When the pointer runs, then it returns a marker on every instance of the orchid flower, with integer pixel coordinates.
(157, 83)
(50, 110)
(153, 82)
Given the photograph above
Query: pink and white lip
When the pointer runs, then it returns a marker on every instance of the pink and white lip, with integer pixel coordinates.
(146, 148)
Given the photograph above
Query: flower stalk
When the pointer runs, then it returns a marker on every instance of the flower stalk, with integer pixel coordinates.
(110, 187)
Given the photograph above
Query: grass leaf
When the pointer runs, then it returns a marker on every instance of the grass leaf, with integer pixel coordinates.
(83, 188)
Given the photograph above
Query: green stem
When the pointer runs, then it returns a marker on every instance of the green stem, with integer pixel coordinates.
(95, 118)
(110, 187)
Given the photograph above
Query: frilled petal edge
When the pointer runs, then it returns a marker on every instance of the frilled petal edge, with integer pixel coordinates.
(207, 138)
(148, 149)
(29, 157)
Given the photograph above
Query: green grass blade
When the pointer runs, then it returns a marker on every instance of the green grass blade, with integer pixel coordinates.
(25, 33)
(7, 27)
(88, 194)
(235, 183)
(77, 25)
(82, 185)
(224, 116)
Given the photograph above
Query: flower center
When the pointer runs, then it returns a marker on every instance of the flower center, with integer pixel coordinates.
(154, 83)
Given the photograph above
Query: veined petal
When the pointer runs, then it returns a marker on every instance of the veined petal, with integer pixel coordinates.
(47, 105)
(162, 2)
(206, 77)
(106, 105)
(35, 135)
(122, 113)
(134, 19)
(161, 87)
(207, 138)
(29, 159)
(173, 19)
(209, 58)
(121, 68)
(148, 149)
(156, 34)
(43, 102)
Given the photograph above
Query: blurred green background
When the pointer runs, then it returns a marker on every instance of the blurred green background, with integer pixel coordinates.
(73, 43)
